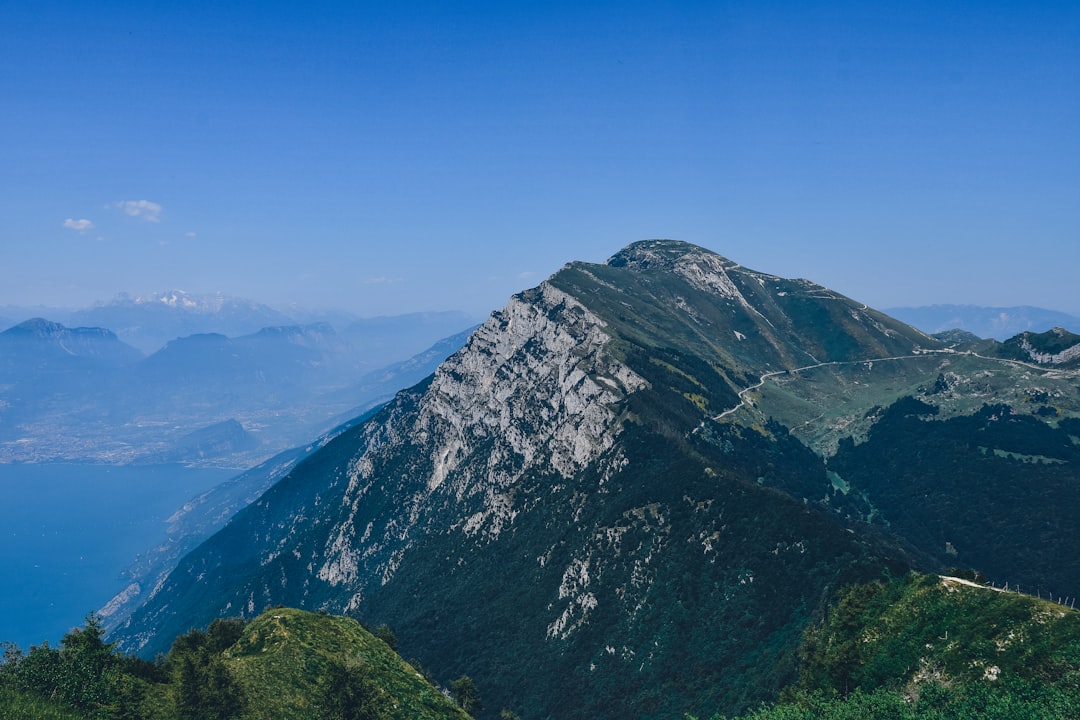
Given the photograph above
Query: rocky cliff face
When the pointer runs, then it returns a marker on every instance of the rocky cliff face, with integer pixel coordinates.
(567, 511)
(1057, 347)
(534, 391)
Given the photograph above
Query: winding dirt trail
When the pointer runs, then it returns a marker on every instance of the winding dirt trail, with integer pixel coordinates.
(916, 354)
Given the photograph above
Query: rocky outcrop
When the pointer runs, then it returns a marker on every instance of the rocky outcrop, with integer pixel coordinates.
(533, 390)
(1062, 357)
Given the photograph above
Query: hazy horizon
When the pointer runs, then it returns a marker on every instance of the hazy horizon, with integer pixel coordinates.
(27, 310)
(418, 157)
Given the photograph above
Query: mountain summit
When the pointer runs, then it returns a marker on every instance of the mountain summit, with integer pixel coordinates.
(600, 505)
(775, 322)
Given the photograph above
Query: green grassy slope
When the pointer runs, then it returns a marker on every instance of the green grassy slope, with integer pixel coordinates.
(925, 646)
(284, 665)
(285, 654)
(15, 705)
(924, 627)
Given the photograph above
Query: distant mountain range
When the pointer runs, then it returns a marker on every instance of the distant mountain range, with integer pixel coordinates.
(83, 395)
(637, 486)
(999, 323)
(148, 322)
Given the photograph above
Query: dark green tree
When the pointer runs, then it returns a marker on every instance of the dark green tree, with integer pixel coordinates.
(465, 694)
(203, 687)
(85, 673)
(39, 672)
(187, 697)
(89, 668)
(384, 633)
(347, 692)
(223, 633)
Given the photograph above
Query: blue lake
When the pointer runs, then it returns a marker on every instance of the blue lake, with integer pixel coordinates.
(68, 531)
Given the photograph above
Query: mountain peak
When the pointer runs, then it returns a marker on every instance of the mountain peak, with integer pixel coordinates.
(37, 340)
(36, 327)
(179, 300)
(701, 268)
(42, 329)
(658, 254)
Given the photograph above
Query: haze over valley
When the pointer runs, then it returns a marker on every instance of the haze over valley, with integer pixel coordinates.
(85, 395)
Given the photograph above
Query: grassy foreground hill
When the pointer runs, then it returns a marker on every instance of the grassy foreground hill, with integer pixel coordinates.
(916, 647)
(285, 664)
(937, 648)
(16, 705)
(287, 656)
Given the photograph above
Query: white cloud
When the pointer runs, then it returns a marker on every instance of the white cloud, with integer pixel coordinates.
(142, 209)
(80, 226)
(380, 281)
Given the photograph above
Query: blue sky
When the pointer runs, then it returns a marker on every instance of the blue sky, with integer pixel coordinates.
(394, 157)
